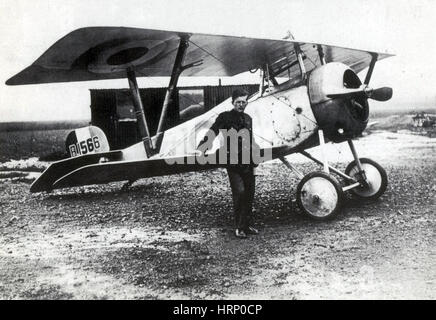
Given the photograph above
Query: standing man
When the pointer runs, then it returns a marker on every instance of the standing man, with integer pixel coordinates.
(241, 174)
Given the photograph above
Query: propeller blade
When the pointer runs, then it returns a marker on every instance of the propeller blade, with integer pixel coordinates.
(346, 93)
(380, 94)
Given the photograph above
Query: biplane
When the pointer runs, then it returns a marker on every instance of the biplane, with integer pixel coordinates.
(309, 93)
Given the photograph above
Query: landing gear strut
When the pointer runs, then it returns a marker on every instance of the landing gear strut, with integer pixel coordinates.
(320, 195)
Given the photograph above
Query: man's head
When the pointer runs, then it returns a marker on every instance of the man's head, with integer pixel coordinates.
(239, 99)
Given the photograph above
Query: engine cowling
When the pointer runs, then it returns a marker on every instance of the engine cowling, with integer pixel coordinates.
(340, 118)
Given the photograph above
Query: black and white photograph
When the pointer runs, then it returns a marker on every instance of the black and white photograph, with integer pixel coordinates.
(193, 151)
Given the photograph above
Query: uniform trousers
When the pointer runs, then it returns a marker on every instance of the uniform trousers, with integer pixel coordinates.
(242, 183)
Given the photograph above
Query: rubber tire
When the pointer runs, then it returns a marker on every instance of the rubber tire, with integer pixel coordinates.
(384, 178)
(337, 187)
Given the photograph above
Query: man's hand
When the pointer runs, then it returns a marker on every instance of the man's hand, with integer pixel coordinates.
(201, 153)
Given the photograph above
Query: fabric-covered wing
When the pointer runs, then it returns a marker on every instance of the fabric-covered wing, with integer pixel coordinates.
(98, 53)
(128, 170)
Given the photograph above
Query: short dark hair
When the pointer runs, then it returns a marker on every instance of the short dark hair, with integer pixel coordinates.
(238, 93)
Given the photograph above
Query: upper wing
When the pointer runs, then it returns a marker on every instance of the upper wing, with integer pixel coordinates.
(98, 53)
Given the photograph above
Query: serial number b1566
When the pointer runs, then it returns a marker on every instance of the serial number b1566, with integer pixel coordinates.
(83, 147)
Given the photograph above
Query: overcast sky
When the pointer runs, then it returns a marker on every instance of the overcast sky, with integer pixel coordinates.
(405, 28)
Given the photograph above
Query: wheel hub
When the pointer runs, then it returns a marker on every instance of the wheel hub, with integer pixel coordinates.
(319, 196)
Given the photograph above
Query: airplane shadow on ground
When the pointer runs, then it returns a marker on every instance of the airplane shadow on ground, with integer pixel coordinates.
(161, 198)
(97, 192)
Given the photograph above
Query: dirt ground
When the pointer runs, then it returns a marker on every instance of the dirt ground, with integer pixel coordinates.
(172, 237)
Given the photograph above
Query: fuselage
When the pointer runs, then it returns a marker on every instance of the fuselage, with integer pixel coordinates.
(282, 122)
(285, 118)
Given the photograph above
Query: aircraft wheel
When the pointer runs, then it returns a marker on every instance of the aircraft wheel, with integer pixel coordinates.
(375, 175)
(319, 195)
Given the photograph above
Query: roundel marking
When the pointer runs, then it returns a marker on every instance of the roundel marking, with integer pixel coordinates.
(126, 55)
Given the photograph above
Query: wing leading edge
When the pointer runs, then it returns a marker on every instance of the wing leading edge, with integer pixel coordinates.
(100, 53)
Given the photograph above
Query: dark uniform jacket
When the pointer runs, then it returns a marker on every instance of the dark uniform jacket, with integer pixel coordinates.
(233, 120)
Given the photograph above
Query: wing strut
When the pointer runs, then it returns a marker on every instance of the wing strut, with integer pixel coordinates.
(139, 112)
(371, 68)
(300, 60)
(321, 54)
(178, 68)
(150, 147)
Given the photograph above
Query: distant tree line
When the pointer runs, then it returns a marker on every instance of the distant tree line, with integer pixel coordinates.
(41, 125)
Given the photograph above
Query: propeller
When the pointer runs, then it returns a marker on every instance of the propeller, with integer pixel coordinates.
(380, 94)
